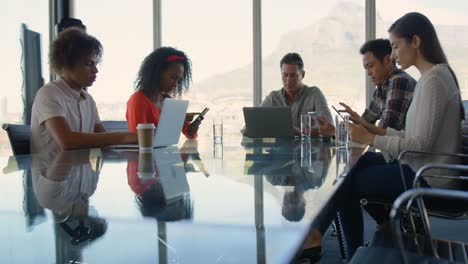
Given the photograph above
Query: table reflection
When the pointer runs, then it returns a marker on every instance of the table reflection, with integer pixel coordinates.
(159, 181)
(250, 202)
(164, 193)
(63, 182)
(191, 157)
(300, 165)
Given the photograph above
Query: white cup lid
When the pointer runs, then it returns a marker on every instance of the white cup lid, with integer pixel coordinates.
(145, 126)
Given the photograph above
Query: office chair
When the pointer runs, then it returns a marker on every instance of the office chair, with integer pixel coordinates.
(462, 158)
(456, 211)
(465, 129)
(19, 136)
(416, 248)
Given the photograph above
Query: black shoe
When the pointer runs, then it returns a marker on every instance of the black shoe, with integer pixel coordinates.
(313, 254)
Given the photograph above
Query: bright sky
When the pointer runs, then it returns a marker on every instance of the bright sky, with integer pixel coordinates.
(223, 26)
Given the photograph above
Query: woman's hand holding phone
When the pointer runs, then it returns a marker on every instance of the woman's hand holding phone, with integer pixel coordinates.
(189, 116)
(192, 129)
(200, 117)
(196, 123)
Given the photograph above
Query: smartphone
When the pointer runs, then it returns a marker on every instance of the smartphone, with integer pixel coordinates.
(201, 115)
(337, 111)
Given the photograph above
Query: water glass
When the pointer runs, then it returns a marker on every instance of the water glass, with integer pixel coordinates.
(305, 127)
(341, 130)
(218, 150)
(306, 155)
(342, 155)
(313, 119)
(218, 131)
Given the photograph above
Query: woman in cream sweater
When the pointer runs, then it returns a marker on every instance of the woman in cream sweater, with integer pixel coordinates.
(432, 124)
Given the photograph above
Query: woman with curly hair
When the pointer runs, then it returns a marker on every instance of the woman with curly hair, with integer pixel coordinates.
(164, 73)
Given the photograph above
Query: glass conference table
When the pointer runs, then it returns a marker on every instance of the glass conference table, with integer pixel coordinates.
(243, 201)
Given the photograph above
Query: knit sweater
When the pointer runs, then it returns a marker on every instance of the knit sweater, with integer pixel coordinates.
(432, 121)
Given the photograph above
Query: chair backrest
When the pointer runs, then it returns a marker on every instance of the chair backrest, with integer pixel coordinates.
(465, 129)
(115, 126)
(19, 136)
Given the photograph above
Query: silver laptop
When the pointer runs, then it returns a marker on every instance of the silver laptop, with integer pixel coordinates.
(268, 122)
(171, 173)
(170, 124)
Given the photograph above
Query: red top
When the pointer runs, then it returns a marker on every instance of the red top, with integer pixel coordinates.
(141, 110)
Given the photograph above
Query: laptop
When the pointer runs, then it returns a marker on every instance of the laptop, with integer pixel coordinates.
(171, 173)
(170, 124)
(268, 122)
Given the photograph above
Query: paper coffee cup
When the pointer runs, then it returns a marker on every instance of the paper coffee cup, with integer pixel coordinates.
(146, 165)
(145, 136)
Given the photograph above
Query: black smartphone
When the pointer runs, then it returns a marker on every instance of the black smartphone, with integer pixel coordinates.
(201, 115)
(338, 112)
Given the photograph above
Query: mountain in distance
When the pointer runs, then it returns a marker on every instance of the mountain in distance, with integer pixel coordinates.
(324, 46)
(330, 50)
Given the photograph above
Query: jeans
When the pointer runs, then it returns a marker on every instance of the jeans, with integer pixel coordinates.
(375, 179)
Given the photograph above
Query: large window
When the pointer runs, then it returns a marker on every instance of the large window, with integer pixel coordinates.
(328, 35)
(35, 15)
(126, 33)
(218, 40)
(451, 23)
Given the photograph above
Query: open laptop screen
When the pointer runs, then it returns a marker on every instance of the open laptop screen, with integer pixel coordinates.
(268, 122)
(169, 126)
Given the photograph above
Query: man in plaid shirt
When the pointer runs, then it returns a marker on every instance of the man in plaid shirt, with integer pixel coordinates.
(391, 98)
(394, 87)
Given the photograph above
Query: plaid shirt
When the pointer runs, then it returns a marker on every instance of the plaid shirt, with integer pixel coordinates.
(391, 101)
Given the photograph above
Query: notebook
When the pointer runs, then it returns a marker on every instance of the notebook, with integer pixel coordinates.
(268, 122)
(170, 124)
